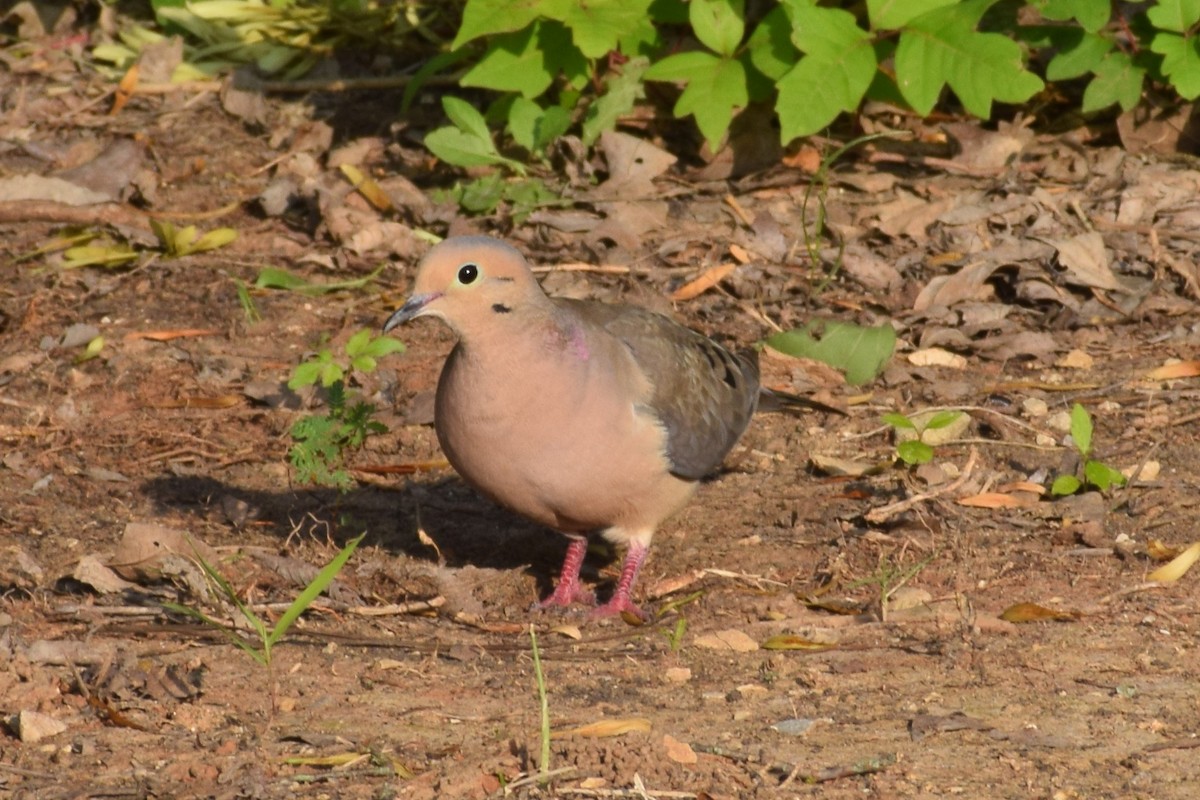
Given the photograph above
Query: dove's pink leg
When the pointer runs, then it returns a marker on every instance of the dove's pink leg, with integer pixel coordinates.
(569, 589)
(622, 599)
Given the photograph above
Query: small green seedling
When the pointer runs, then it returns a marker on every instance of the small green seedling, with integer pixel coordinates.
(912, 446)
(322, 440)
(267, 637)
(544, 702)
(1095, 473)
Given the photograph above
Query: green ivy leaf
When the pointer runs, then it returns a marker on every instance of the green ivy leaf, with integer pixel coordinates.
(1174, 15)
(623, 89)
(598, 25)
(486, 17)
(513, 62)
(770, 45)
(859, 352)
(1092, 15)
(1079, 53)
(1181, 62)
(715, 87)
(895, 14)
(718, 24)
(528, 61)
(1118, 80)
(1081, 429)
(533, 127)
(832, 77)
(942, 47)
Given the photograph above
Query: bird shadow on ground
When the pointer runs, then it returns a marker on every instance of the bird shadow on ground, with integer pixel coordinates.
(468, 529)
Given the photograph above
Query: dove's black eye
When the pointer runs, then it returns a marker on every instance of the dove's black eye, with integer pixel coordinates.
(467, 273)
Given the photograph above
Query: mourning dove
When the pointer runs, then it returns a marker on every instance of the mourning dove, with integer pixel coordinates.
(582, 416)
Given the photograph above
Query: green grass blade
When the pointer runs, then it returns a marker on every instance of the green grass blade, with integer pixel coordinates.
(312, 591)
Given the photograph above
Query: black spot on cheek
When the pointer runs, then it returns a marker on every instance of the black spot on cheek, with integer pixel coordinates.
(500, 308)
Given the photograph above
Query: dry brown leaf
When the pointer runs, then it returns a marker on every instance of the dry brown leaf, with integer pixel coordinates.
(1159, 551)
(1032, 612)
(679, 752)
(946, 290)
(739, 253)
(125, 90)
(569, 631)
(998, 500)
(936, 357)
(606, 729)
(707, 280)
(1086, 260)
(1177, 567)
(1021, 486)
(1180, 369)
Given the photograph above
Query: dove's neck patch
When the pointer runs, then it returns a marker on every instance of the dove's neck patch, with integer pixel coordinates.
(500, 308)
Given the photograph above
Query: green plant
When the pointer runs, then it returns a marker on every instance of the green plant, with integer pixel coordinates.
(322, 440)
(1095, 473)
(912, 447)
(675, 635)
(544, 703)
(889, 577)
(860, 352)
(180, 242)
(267, 637)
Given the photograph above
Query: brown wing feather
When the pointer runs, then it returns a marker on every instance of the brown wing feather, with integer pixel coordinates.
(703, 394)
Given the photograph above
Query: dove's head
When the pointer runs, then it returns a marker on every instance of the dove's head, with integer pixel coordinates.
(466, 281)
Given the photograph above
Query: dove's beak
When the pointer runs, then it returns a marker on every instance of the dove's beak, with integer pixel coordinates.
(413, 308)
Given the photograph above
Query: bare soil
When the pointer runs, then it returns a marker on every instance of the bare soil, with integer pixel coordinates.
(417, 679)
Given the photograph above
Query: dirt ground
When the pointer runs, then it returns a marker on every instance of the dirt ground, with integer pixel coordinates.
(416, 678)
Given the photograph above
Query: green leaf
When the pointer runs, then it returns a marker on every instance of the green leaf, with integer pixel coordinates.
(914, 452)
(94, 255)
(466, 117)
(895, 14)
(942, 419)
(942, 47)
(623, 88)
(486, 17)
(770, 45)
(1102, 476)
(1181, 62)
(899, 421)
(1174, 15)
(832, 77)
(312, 591)
(1081, 429)
(357, 343)
(1065, 484)
(462, 149)
(514, 62)
(718, 24)
(1118, 80)
(861, 353)
(1079, 53)
(1092, 15)
(598, 25)
(383, 346)
(715, 87)
(305, 374)
(275, 278)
